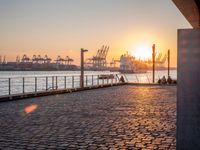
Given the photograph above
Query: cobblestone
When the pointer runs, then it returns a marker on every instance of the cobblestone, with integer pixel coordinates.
(123, 117)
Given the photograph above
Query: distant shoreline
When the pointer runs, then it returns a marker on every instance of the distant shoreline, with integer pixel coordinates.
(79, 70)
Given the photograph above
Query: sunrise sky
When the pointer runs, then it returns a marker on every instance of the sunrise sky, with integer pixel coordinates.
(62, 27)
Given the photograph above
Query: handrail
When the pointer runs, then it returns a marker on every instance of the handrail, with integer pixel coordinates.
(34, 84)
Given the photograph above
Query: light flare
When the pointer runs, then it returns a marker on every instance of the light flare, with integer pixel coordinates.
(143, 51)
(31, 108)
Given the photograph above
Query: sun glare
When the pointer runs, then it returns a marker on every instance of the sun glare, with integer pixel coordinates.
(142, 52)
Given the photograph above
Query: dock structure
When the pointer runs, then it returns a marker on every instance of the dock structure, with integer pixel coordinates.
(120, 117)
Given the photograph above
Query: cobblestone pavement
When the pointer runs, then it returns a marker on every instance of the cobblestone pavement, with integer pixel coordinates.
(123, 117)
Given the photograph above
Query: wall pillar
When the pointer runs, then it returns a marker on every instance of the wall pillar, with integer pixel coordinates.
(188, 90)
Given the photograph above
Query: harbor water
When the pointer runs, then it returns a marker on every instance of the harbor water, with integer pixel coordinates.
(71, 78)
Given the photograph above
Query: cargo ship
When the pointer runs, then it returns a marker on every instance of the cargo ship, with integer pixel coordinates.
(129, 64)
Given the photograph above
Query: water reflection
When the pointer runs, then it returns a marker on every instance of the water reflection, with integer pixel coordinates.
(31, 108)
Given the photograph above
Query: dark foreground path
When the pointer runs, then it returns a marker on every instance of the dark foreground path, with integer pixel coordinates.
(124, 117)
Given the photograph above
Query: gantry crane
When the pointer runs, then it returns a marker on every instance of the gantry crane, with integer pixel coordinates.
(98, 61)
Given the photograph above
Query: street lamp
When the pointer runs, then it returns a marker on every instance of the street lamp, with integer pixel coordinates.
(168, 62)
(82, 67)
(153, 61)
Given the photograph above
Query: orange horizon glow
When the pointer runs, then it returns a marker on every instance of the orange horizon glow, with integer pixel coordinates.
(64, 32)
(140, 50)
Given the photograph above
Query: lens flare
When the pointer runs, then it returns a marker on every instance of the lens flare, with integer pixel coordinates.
(31, 108)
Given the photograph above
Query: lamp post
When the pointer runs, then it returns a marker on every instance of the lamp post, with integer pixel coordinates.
(82, 68)
(153, 60)
(168, 63)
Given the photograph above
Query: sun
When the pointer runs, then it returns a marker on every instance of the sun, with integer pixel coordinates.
(142, 51)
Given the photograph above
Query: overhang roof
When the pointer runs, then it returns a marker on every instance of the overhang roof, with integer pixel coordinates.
(191, 10)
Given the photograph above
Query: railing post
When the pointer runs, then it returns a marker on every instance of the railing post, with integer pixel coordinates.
(52, 82)
(46, 83)
(23, 85)
(65, 82)
(9, 84)
(86, 81)
(112, 81)
(72, 81)
(103, 81)
(81, 83)
(92, 80)
(148, 78)
(56, 82)
(98, 80)
(125, 78)
(137, 78)
(35, 84)
(107, 80)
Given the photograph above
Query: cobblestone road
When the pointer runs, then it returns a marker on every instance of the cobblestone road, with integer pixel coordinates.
(123, 117)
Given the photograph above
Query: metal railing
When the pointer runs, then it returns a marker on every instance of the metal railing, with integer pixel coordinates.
(139, 78)
(144, 78)
(35, 84)
(24, 85)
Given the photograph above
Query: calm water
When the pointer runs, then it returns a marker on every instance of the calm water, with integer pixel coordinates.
(7, 74)
(46, 76)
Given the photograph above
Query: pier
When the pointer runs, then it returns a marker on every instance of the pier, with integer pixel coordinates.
(118, 117)
(56, 112)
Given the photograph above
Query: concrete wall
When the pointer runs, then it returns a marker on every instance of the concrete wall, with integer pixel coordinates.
(188, 100)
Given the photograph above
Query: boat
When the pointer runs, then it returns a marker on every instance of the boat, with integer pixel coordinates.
(129, 64)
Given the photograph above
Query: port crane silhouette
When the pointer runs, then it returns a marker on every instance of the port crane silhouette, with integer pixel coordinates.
(38, 59)
(2, 59)
(99, 60)
(67, 60)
